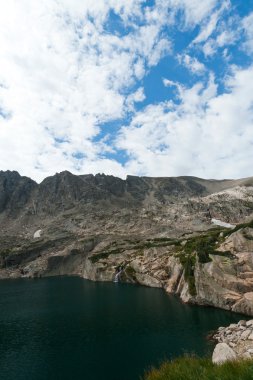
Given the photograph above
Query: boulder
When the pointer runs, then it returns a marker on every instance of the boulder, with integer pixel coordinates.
(223, 353)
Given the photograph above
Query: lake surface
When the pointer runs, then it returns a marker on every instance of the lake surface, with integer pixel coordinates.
(70, 328)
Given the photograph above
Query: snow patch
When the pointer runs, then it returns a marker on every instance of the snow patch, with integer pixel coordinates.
(37, 234)
(218, 222)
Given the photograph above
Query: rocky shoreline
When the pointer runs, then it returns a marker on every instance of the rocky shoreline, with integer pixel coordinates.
(234, 342)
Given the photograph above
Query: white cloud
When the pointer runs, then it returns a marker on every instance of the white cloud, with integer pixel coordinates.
(206, 135)
(218, 31)
(247, 24)
(194, 11)
(62, 75)
(207, 29)
(209, 48)
(210, 24)
(227, 37)
(169, 83)
(227, 33)
(135, 97)
(191, 63)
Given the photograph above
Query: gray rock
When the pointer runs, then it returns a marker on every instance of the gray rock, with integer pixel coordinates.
(251, 336)
(245, 334)
(223, 353)
(246, 355)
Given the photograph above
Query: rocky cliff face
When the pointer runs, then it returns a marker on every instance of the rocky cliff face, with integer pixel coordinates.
(15, 192)
(152, 231)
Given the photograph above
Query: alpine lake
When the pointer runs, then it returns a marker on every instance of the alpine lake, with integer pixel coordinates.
(64, 328)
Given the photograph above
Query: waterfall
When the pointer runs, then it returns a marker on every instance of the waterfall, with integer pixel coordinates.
(117, 276)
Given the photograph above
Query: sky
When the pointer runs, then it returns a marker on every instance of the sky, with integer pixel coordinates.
(148, 88)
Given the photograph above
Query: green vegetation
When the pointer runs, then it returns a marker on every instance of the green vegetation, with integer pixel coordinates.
(248, 204)
(188, 263)
(161, 239)
(247, 236)
(139, 252)
(204, 246)
(238, 227)
(201, 247)
(130, 272)
(5, 252)
(192, 368)
(137, 246)
(105, 254)
(157, 242)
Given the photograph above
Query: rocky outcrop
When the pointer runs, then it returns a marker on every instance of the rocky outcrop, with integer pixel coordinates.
(227, 280)
(222, 279)
(199, 268)
(151, 231)
(234, 342)
(15, 193)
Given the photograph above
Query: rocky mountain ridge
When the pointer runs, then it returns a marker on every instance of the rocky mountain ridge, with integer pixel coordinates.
(159, 232)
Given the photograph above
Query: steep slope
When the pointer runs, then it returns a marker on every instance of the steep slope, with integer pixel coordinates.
(15, 192)
(136, 205)
(151, 231)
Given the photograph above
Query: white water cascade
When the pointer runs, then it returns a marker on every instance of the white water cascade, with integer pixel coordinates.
(117, 276)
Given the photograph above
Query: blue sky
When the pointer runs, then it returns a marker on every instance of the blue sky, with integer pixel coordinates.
(156, 88)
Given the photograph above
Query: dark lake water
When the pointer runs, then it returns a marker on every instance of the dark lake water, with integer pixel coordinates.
(70, 328)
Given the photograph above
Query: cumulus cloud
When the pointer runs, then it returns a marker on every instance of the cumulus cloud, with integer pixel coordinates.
(62, 75)
(221, 29)
(70, 68)
(247, 24)
(169, 83)
(191, 63)
(210, 25)
(194, 11)
(226, 35)
(206, 134)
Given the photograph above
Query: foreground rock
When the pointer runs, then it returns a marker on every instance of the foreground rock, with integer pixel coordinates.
(234, 342)
(223, 353)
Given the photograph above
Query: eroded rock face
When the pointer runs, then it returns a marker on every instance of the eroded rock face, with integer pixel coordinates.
(137, 205)
(15, 192)
(234, 342)
(142, 230)
(244, 304)
(227, 281)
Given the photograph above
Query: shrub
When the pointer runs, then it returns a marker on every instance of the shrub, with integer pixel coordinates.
(103, 255)
(188, 263)
(238, 227)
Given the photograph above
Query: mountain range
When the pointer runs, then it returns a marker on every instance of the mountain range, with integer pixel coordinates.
(188, 235)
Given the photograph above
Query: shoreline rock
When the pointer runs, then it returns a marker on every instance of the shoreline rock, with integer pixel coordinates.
(234, 342)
